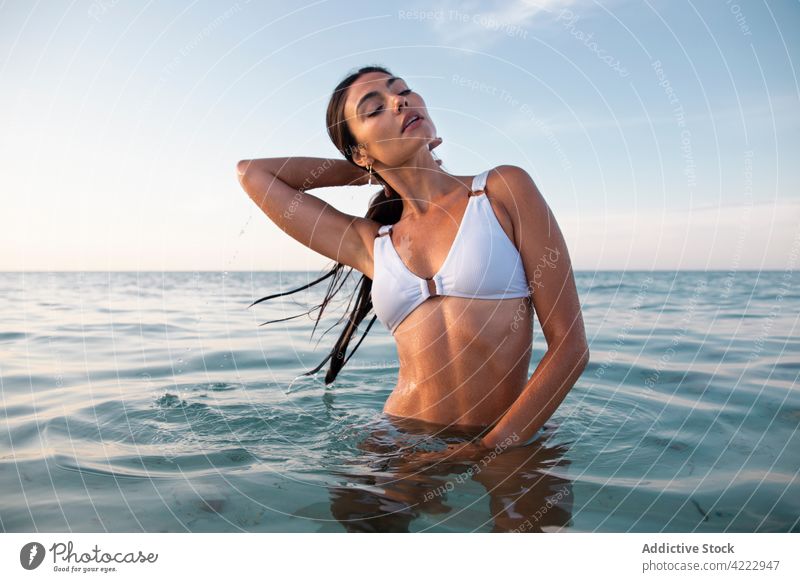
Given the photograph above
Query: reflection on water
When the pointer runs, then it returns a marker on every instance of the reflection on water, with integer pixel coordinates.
(390, 486)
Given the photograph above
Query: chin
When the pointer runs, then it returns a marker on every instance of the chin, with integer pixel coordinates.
(419, 140)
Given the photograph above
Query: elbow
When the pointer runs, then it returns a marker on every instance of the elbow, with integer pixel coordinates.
(581, 351)
(583, 357)
(241, 169)
(250, 177)
(575, 351)
(572, 347)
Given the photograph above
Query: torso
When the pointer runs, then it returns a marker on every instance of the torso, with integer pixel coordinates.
(462, 361)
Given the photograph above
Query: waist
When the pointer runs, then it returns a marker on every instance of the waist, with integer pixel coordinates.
(418, 426)
(465, 393)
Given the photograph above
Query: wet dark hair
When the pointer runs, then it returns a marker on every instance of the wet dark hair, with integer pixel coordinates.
(386, 207)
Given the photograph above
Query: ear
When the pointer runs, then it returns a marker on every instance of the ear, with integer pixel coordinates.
(361, 157)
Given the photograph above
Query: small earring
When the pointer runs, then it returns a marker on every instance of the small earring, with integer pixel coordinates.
(370, 173)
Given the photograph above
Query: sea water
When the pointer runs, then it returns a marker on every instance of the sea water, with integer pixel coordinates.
(156, 402)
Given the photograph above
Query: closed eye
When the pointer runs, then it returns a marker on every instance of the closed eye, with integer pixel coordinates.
(378, 110)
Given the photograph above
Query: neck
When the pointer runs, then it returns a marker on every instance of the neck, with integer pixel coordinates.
(420, 182)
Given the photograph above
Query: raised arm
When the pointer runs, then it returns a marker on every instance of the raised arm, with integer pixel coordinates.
(278, 186)
(307, 173)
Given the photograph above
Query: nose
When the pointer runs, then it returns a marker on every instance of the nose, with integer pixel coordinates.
(399, 100)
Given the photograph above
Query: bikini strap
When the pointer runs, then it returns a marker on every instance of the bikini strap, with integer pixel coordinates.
(384, 229)
(479, 183)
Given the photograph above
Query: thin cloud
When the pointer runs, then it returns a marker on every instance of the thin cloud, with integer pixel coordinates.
(471, 25)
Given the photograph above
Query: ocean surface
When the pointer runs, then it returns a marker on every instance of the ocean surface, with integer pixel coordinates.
(156, 402)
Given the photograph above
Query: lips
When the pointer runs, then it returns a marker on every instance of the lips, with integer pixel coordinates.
(409, 120)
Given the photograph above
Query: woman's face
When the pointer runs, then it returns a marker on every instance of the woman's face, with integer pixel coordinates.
(376, 109)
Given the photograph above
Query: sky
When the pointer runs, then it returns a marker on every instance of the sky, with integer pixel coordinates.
(661, 133)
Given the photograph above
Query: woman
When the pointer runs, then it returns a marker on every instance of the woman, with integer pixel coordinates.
(450, 263)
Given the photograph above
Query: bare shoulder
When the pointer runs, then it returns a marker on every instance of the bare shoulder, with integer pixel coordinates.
(515, 189)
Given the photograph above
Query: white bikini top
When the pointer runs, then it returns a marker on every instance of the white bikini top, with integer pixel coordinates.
(483, 263)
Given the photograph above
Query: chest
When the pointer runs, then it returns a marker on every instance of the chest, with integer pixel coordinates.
(424, 245)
